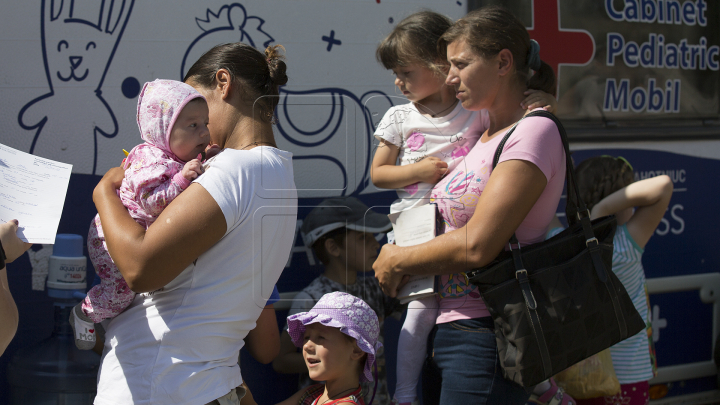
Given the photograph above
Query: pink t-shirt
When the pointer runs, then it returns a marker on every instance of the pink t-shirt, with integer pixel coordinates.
(536, 140)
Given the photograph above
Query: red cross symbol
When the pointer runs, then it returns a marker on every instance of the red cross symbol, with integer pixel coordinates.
(559, 46)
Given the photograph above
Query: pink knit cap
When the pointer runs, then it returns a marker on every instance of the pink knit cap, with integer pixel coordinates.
(159, 104)
(348, 313)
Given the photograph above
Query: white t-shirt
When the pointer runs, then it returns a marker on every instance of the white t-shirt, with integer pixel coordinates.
(447, 138)
(180, 345)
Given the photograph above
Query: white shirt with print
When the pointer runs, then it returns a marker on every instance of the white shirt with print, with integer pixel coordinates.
(447, 138)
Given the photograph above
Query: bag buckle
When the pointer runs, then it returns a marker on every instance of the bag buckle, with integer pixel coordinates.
(522, 277)
(587, 242)
(587, 214)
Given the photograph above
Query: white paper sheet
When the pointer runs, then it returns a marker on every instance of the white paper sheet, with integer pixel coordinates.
(32, 190)
(413, 227)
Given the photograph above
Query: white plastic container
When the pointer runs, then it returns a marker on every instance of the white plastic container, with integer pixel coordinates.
(67, 269)
(67, 273)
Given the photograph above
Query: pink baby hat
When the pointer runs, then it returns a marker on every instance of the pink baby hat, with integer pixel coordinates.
(159, 105)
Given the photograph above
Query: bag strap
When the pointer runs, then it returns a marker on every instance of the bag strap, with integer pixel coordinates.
(591, 242)
(583, 214)
(521, 276)
(570, 169)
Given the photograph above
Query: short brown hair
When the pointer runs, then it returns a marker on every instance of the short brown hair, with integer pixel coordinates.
(600, 176)
(489, 30)
(337, 235)
(414, 40)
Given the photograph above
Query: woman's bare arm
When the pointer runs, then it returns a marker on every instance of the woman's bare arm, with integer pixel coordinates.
(8, 312)
(289, 360)
(510, 194)
(148, 260)
(13, 247)
(263, 342)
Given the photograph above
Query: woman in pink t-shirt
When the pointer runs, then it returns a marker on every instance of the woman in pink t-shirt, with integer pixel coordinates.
(492, 62)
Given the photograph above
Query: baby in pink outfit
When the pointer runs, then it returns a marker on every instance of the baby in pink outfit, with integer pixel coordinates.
(172, 118)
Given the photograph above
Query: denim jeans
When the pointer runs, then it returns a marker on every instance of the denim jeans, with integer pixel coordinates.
(466, 355)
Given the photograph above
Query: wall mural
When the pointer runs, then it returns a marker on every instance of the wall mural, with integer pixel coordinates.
(79, 40)
(318, 133)
(94, 55)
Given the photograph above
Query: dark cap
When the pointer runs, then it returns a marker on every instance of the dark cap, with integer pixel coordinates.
(342, 212)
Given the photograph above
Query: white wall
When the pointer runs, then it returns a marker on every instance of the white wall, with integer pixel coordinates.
(79, 128)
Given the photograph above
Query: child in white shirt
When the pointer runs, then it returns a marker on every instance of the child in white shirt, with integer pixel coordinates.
(429, 136)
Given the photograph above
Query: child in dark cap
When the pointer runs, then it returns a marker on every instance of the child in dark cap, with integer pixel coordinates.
(341, 232)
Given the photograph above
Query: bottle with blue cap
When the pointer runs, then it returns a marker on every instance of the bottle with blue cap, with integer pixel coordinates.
(67, 268)
(55, 371)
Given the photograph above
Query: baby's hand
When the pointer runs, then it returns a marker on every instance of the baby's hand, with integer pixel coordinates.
(192, 170)
(430, 169)
(539, 99)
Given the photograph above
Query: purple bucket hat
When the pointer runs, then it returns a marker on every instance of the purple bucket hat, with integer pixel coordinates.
(348, 313)
(159, 105)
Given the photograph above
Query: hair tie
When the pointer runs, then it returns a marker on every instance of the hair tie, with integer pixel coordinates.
(620, 158)
(534, 56)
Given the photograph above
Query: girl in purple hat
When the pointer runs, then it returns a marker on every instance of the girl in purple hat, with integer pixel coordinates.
(339, 338)
(172, 117)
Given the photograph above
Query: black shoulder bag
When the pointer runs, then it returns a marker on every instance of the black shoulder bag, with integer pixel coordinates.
(556, 302)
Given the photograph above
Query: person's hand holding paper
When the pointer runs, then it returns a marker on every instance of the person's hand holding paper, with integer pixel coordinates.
(32, 191)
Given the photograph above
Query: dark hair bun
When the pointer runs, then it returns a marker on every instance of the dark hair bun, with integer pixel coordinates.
(275, 60)
(260, 74)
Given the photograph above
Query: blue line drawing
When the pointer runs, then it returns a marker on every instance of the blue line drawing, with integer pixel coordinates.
(79, 40)
(335, 123)
(319, 144)
(331, 40)
(336, 102)
(224, 27)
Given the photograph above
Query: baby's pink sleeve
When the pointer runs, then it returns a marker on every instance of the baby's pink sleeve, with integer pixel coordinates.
(154, 183)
